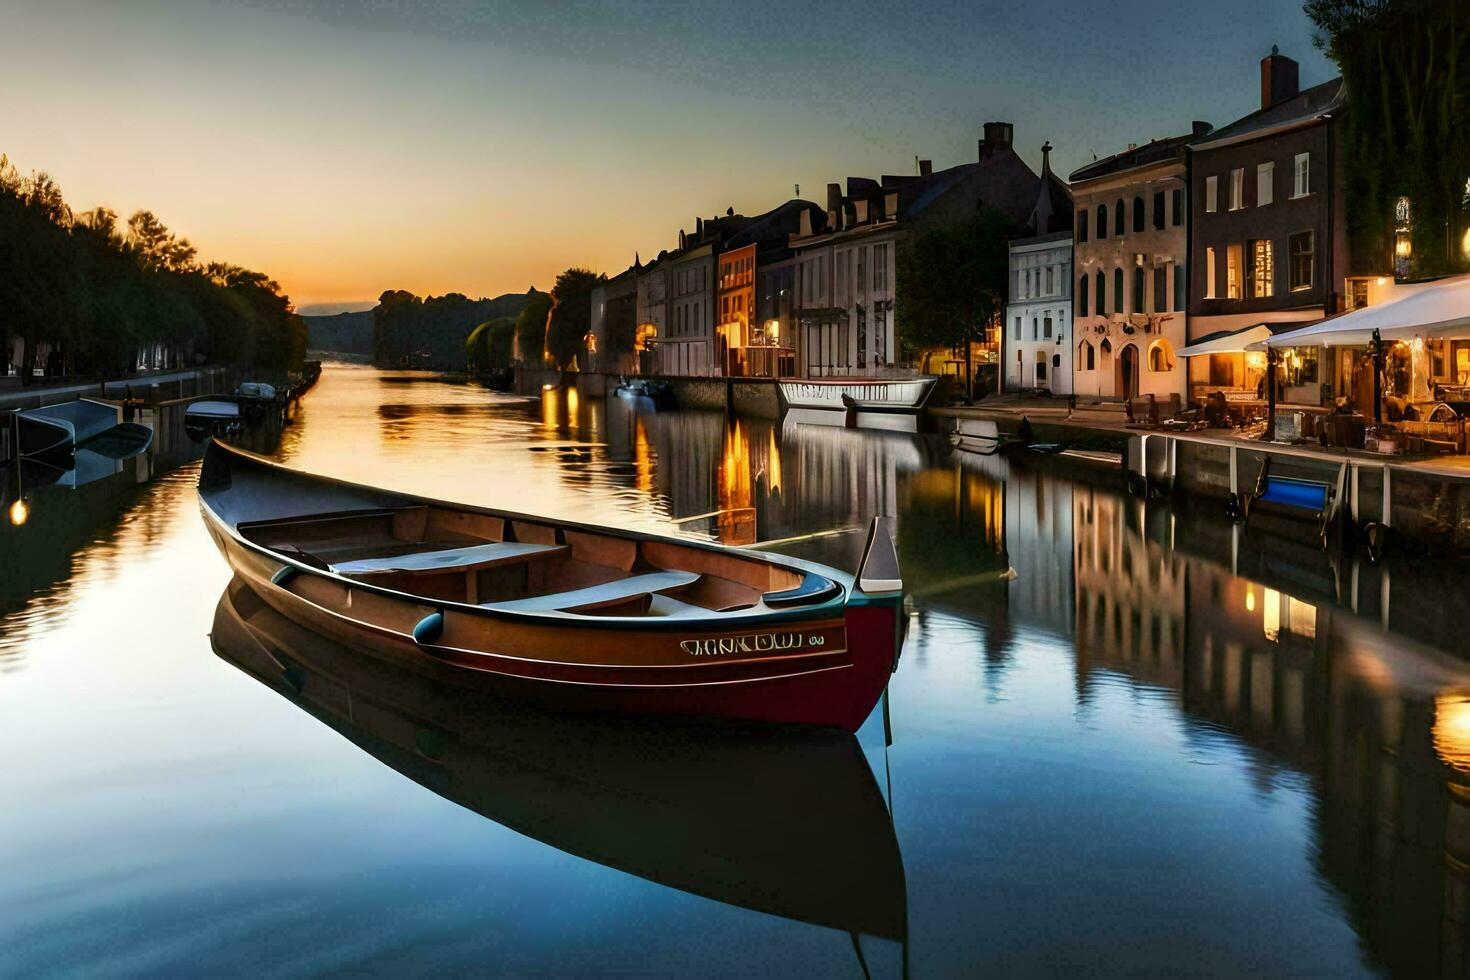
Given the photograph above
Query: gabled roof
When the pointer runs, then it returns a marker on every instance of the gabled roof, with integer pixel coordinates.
(1153, 151)
(1304, 107)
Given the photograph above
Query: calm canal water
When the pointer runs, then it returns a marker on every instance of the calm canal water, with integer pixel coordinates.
(1124, 738)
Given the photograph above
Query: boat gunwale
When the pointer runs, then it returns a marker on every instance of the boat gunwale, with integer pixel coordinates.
(740, 619)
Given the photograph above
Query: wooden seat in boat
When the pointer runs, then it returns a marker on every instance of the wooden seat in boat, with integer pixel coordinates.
(467, 557)
(618, 590)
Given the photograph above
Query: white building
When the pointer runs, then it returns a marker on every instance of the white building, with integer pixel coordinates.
(1131, 283)
(1038, 325)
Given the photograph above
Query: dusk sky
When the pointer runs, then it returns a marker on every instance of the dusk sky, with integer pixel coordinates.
(347, 148)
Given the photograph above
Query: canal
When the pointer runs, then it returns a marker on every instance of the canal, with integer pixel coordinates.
(1123, 736)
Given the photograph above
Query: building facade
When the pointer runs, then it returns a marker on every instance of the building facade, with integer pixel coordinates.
(1131, 281)
(1039, 317)
(1268, 239)
(847, 267)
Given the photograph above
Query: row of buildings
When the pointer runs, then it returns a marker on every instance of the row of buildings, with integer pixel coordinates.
(805, 290)
(1150, 271)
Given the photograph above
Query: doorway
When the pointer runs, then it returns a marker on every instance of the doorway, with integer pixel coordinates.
(1126, 382)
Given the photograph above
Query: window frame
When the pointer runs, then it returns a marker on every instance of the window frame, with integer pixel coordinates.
(1237, 188)
(1301, 176)
(1265, 181)
(1291, 261)
(1212, 194)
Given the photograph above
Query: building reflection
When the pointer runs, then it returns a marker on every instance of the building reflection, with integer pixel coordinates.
(1299, 656)
(1376, 724)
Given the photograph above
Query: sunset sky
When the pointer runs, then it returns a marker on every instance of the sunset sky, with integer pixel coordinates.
(347, 148)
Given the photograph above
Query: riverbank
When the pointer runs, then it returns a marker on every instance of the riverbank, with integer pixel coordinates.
(1424, 500)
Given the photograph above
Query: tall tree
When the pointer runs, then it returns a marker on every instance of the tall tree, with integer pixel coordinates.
(953, 280)
(1406, 67)
(531, 330)
(571, 315)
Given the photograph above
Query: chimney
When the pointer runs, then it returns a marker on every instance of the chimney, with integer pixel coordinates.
(926, 167)
(834, 197)
(1278, 78)
(997, 138)
(698, 229)
(1199, 128)
(1046, 158)
(681, 239)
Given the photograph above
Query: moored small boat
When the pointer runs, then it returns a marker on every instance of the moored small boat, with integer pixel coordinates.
(659, 394)
(215, 415)
(64, 426)
(568, 616)
(885, 403)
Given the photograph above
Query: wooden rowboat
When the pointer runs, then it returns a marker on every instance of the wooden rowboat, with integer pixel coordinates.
(663, 801)
(564, 615)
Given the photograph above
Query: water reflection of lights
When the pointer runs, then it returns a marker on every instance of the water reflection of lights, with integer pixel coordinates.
(1452, 729)
(642, 456)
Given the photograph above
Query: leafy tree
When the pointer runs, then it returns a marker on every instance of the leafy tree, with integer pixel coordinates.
(952, 281)
(531, 329)
(489, 345)
(430, 332)
(1406, 132)
(571, 315)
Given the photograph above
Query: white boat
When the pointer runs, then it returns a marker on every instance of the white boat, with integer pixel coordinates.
(215, 416)
(881, 403)
(63, 427)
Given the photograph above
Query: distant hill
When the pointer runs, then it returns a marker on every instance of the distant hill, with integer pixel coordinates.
(345, 333)
(430, 333)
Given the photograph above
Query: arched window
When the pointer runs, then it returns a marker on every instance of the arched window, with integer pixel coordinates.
(1082, 288)
(1160, 356)
(1118, 218)
(1102, 288)
(1118, 289)
(1102, 222)
(1086, 357)
(1082, 225)
(1138, 214)
(1138, 289)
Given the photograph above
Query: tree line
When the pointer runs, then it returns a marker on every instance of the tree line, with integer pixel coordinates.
(431, 332)
(104, 299)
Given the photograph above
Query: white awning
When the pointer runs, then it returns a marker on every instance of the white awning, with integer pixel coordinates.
(1228, 342)
(1432, 310)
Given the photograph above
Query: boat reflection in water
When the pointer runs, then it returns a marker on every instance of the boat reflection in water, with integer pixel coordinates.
(792, 823)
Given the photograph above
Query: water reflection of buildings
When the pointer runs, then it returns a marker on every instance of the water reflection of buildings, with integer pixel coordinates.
(1377, 724)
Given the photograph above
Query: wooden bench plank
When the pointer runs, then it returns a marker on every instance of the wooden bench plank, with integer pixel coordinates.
(467, 557)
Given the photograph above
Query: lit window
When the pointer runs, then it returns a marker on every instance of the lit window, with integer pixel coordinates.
(1263, 267)
(1210, 272)
(1237, 188)
(1160, 356)
(1302, 182)
(1265, 180)
(1212, 194)
(1232, 272)
(1302, 250)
